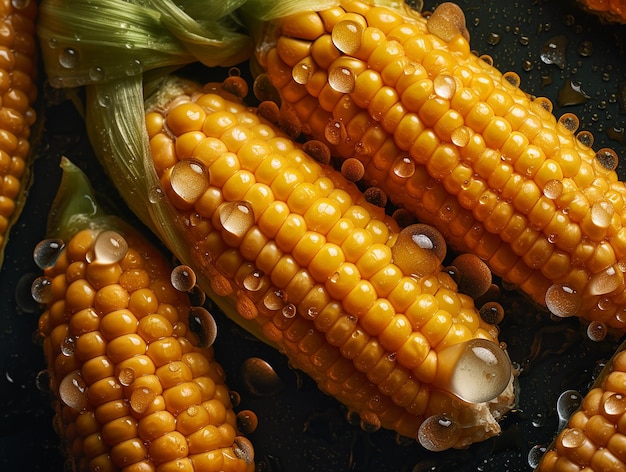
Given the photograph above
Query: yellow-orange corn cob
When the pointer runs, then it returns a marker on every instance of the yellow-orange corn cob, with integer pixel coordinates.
(135, 389)
(453, 141)
(594, 438)
(18, 92)
(610, 10)
(325, 276)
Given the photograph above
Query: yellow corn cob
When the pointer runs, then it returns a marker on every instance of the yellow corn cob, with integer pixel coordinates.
(458, 144)
(329, 279)
(610, 10)
(18, 92)
(136, 389)
(595, 437)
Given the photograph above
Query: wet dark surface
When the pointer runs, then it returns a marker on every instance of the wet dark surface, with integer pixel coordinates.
(558, 52)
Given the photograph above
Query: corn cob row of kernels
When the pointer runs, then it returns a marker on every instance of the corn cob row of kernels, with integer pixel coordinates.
(594, 438)
(18, 92)
(358, 305)
(453, 141)
(609, 10)
(136, 389)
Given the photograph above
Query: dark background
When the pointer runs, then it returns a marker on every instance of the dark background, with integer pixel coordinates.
(301, 429)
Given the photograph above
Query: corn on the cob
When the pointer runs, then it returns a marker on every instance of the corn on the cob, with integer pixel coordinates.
(594, 438)
(136, 389)
(360, 306)
(18, 92)
(459, 145)
(609, 10)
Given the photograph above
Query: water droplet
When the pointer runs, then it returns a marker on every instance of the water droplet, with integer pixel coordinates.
(512, 78)
(155, 194)
(607, 158)
(346, 36)
(370, 421)
(273, 300)
(126, 376)
(447, 22)
(419, 250)
(553, 51)
(68, 345)
(260, 378)
(553, 189)
(572, 437)
(47, 252)
(41, 289)
(141, 399)
(189, 180)
(605, 282)
(571, 93)
(289, 311)
(42, 381)
(535, 454)
(110, 247)
(567, 403)
(341, 79)
(20, 4)
(183, 278)
(596, 331)
(311, 312)
(403, 167)
(335, 132)
(493, 39)
(562, 300)
(444, 86)
(438, 433)
(247, 421)
(243, 449)
(317, 150)
(461, 136)
(73, 391)
(23, 294)
(352, 169)
(615, 404)
(492, 312)
(303, 71)
(96, 74)
(203, 324)
(69, 58)
(253, 281)
(586, 138)
(236, 219)
(479, 370)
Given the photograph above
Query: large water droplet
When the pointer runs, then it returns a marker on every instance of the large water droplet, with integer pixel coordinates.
(570, 121)
(47, 252)
(303, 71)
(444, 86)
(247, 421)
(605, 282)
(236, 219)
(73, 391)
(476, 371)
(607, 158)
(461, 136)
(110, 247)
(419, 250)
(346, 36)
(341, 79)
(141, 399)
(572, 437)
(41, 289)
(126, 376)
(253, 281)
(203, 324)
(438, 433)
(596, 331)
(601, 214)
(614, 405)
(562, 300)
(69, 58)
(183, 278)
(553, 189)
(403, 167)
(189, 180)
(335, 132)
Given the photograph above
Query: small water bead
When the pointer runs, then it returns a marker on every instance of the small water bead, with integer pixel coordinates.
(607, 158)
(68, 345)
(303, 71)
(243, 449)
(346, 36)
(204, 325)
(512, 78)
(41, 289)
(493, 39)
(419, 250)
(253, 281)
(183, 278)
(403, 167)
(236, 219)
(289, 311)
(606, 281)
(69, 58)
(273, 300)
(260, 377)
(311, 313)
(376, 196)
(335, 132)
(438, 433)
(247, 421)
(597, 331)
(572, 438)
(567, 403)
(476, 371)
(341, 79)
(47, 252)
(570, 121)
(553, 189)
(189, 180)
(562, 300)
(73, 391)
(445, 86)
(96, 74)
(141, 399)
(108, 248)
(461, 136)
(126, 376)
(492, 313)
(585, 137)
(553, 51)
